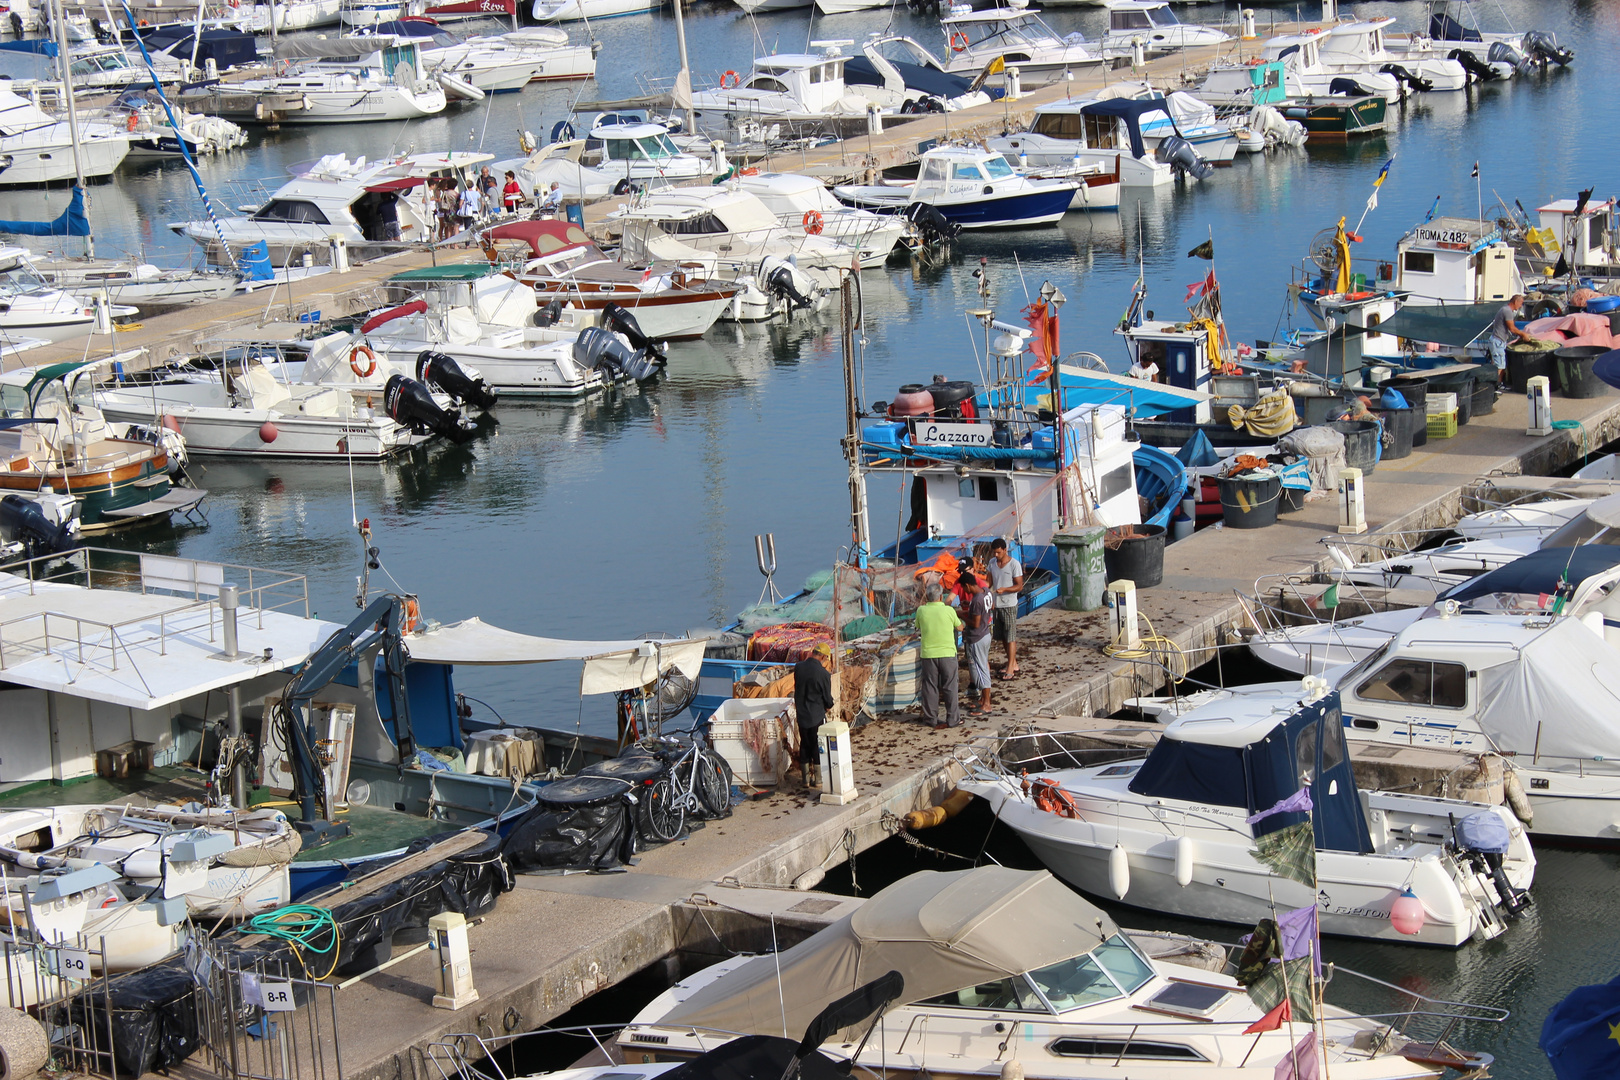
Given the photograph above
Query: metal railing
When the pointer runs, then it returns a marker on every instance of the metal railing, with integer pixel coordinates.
(260, 1019)
(75, 1010)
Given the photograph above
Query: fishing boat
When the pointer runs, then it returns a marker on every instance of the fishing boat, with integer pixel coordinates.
(971, 188)
(564, 265)
(993, 954)
(1155, 27)
(1112, 133)
(1020, 39)
(65, 443)
(1338, 110)
(1184, 831)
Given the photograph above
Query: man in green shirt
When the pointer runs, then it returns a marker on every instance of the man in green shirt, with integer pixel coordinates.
(936, 626)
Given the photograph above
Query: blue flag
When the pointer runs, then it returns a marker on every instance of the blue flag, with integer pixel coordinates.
(1581, 1036)
(1432, 210)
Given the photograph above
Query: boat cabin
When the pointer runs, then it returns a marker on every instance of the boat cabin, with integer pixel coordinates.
(645, 149)
(814, 82)
(1456, 260)
(1140, 18)
(1303, 51)
(1355, 43)
(1262, 83)
(1587, 239)
(1181, 351)
(1018, 35)
(958, 171)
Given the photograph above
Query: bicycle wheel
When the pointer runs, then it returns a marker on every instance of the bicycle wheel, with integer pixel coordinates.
(662, 818)
(714, 784)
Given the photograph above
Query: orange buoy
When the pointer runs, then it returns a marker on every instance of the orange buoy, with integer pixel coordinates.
(268, 432)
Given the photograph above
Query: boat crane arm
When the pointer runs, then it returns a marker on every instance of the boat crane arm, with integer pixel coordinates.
(379, 626)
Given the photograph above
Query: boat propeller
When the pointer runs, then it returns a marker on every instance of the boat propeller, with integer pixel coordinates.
(597, 349)
(619, 320)
(411, 405)
(462, 384)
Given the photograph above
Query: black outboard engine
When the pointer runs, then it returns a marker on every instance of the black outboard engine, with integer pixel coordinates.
(620, 321)
(1346, 85)
(932, 226)
(1543, 48)
(1502, 53)
(1483, 840)
(1479, 69)
(464, 385)
(598, 349)
(23, 521)
(1179, 155)
(781, 280)
(410, 404)
(549, 315)
(1407, 78)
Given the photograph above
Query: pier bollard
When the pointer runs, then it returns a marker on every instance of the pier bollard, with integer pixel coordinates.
(874, 120)
(1014, 91)
(1127, 634)
(1330, 11)
(447, 932)
(837, 770)
(340, 254)
(1138, 52)
(103, 312)
(1538, 389)
(1352, 503)
(1246, 25)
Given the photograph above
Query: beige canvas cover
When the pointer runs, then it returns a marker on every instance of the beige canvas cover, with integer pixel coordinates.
(941, 931)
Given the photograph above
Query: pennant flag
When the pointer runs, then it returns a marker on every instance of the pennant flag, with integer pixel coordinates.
(1383, 173)
(1297, 803)
(1272, 1020)
(1206, 250)
(1301, 1062)
(1562, 267)
(1475, 173)
(1300, 936)
(1581, 1035)
(1290, 852)
(1372, 201)
(1433, 210)
(1580, 203)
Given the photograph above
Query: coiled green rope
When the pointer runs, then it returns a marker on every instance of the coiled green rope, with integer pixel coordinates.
(304, 927)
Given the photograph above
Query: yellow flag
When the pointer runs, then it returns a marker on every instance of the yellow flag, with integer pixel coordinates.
(997, 66)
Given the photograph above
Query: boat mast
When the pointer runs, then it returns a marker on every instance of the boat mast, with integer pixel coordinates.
(860, 518)
(63, 58)
(683, 79)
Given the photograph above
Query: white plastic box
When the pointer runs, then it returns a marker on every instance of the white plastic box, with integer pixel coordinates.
(727, 739)
(1440, 404)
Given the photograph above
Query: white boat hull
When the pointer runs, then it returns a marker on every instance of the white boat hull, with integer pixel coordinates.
(45, 156)
(356, 103)
(574, 10)
(241, 432)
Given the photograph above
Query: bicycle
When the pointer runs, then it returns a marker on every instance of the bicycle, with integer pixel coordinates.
(696, 783)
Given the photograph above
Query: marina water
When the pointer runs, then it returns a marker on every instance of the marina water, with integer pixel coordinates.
(637, 512)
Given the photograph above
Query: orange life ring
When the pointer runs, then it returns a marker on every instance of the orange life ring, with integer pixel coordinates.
(750, 171)
(813, 223)
(729, 80)
(1359, 295)
(413, 614)
(1054, 800)
(130, 121)
(959, 42)
(371, 361)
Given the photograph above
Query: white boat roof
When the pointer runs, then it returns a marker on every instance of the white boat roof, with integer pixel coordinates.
(145, 649)
(960, 153)
(794, 61)
(1567, 206)
(1135, 5)
(1355, 29)
(989, 15)
(1236, 721)
(627, 131)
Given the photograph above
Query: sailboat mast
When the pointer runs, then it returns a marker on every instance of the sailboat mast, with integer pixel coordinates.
(860, 521)
(686, 68)
(63, 64)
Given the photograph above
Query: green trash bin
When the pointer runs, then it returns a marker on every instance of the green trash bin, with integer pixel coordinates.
(1081, 577)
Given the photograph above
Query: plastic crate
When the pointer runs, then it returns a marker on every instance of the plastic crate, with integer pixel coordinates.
(1443, 425)
(727, 739)
(1441, 403)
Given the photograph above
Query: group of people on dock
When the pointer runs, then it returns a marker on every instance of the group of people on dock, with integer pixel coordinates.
(989, 602)
(458, 207)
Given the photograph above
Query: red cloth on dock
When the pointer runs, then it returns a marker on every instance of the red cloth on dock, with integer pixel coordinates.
(1577, 328)
(788, 642)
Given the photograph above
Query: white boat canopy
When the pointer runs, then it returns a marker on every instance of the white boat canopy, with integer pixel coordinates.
(941, 931)
(609, 665)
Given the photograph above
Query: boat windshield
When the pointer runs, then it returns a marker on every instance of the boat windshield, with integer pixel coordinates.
(20, 278)
(1111, 970)
(1582, 530)
(1165, 17)
(997, 167)
(1367, 663)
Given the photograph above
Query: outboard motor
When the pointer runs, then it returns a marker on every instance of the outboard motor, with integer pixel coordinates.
(1483, 840)
(1407, 78)
(1504, 55)
(598, 349)
(1543, 48)
(932, 226)
(464, 385)
(787, 282)
(549, 315)
(26, 522)
(1346, 85)
(1479, 69)
(411, 405)
(1179, 155)
(620, 321)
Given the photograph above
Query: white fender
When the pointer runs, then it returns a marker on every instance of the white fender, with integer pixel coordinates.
(1184, 860)
(1119, 872)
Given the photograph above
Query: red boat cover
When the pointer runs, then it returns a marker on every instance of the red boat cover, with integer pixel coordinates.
(543, 237)
(415, 307)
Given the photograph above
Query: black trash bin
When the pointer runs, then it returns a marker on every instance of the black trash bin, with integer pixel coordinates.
(1398, 427)
(1415, 389)
(1484, 400)
(1249, 500)
(1135, 553)
(1360, 443)
(1574, 364)
(1525, 363)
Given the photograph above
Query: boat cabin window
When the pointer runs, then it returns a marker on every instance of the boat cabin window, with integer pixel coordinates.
(1417, 262)
(1003, 995)
(1418, 682)
(1305, 756)
(982, 488)
(1057, 125)
(1126, 1049)
(1074, 983)
(1581, 530)
(933, 170)
(1268, 78)
(295, 210)
(1595, 228)
(20, 278)
(1121, 960)
(702, 225)
(1333, 751)
(966, 172)
(768, 84)
(997, 168)
(1373, 319)
(1129, 20)
(1117, 482)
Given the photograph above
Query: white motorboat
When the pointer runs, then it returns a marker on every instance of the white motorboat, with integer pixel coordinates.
(1111, 133)
(645, 152)
(561, 163)
(367, 13)
(32, 308)
(787, 88)
(545, 11)
(564, 265)
(131, 281)
(1174, 832)
(1446, 31)
(1357, 48)
(973, 189)
(296, 14)
(346, 401)
(844, 7)
(1216, 140)
(752, 6)
(335, 196)
(803, 203)
(898, 75)
(1307, 74)
(497, 62)
(1155, 26)
(351, 80)
(1021, 39)
(36, 149)
(992, 955)
(486, 322)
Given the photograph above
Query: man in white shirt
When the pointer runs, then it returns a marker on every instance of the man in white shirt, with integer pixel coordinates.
(1006, 578)
(1147, 372)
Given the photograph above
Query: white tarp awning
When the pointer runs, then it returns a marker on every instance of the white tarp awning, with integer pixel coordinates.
(609, 665)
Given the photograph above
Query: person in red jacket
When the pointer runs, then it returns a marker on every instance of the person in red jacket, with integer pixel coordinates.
(511, 194)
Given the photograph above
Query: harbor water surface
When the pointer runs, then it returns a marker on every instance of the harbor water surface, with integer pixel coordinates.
(636, 512)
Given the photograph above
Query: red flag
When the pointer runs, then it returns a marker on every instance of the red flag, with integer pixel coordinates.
(1272, 1020)
(1035, 317)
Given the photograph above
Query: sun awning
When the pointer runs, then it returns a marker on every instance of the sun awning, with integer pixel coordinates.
(1457, 325)
(609, 665)
(404, 183)
(1088, 386)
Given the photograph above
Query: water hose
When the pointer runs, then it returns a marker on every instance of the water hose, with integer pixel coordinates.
(302, 926)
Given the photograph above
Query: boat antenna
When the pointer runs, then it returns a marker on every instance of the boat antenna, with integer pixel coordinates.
(59, 31)
(1022, 283)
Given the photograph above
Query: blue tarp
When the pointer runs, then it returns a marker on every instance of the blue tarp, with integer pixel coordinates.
(256, 262)
(1197, 452)
(72, 221)
(36, 46)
